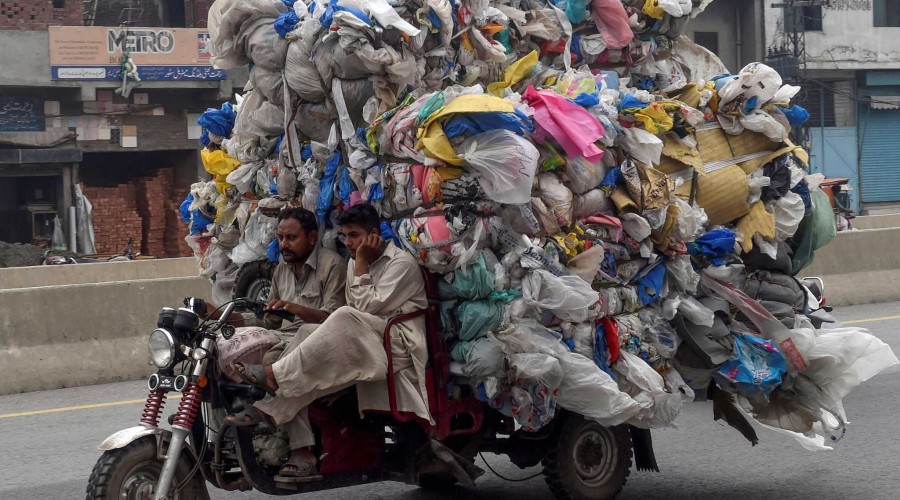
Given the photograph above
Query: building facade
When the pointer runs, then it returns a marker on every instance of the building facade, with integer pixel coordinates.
(851, 50)
(73, 112)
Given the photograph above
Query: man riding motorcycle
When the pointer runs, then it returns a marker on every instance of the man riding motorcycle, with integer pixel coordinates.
(308, 284)
(348, 347)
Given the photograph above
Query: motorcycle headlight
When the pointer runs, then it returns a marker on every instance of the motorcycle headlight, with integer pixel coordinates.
(162, 348)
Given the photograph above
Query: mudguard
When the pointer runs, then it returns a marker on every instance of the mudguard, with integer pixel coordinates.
(123, 437)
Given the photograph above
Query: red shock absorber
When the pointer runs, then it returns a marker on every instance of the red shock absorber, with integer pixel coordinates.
(189, 407)
(152, 408)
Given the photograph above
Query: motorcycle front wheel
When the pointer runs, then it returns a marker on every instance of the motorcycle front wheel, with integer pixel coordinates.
(131, 473)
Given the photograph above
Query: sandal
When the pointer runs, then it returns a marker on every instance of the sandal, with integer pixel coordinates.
(300, 466)
(254, 375)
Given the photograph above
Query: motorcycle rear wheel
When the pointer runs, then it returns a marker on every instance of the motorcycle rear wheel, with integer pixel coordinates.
(588, 461)
(131, 473)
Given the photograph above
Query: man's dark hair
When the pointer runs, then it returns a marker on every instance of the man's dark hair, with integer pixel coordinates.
(363, 215)
(306, 218)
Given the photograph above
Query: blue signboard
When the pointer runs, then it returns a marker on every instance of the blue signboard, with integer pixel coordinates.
(21, 114)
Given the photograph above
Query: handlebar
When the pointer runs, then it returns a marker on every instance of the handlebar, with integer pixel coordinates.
(259, 309)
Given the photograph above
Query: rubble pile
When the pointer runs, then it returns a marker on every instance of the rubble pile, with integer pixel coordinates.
(617, 229)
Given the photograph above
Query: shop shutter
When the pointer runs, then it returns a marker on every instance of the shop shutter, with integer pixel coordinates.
(879, 135)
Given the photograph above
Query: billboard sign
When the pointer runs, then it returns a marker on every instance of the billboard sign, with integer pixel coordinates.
(95, 53)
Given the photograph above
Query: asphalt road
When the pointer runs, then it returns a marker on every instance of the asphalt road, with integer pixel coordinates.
(49, 454)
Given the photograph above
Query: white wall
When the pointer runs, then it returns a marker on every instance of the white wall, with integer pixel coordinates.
(848, 39)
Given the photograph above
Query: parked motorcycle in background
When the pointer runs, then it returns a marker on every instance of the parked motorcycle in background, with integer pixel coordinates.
(52, 258)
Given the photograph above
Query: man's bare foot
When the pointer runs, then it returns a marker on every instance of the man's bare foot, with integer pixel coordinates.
(270, 379)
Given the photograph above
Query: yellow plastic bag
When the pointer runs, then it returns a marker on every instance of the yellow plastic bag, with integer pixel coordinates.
(514, 74)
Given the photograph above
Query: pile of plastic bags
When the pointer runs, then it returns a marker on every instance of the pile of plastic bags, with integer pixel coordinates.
(616, 233)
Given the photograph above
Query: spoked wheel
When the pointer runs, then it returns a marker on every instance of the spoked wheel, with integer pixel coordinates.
(588, 461)
(131, 473)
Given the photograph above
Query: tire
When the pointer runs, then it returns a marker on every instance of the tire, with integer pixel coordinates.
(254, 281)
(588, 461)
(132, 472)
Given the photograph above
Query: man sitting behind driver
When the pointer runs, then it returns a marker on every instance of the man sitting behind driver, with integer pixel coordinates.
(347, 349)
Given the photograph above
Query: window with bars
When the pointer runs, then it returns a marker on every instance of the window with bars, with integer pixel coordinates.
(708, 40)
(803, 18)
(886, 13)
(830, 103)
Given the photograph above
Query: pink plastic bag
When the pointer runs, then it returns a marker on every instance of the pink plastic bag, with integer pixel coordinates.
(573, 127)
(612, 22)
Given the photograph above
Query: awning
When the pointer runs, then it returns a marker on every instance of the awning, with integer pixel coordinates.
(26, 156)
(885, 101)
(46, 139)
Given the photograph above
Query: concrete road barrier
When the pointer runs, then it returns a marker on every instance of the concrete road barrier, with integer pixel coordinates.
(859, 267)
(876, 221)
(82, 334)
(72, 274)
(64, 326)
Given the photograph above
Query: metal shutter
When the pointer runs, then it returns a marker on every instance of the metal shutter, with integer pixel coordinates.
(879, 136)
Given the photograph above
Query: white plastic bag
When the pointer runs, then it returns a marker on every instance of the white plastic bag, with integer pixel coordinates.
(484, 359)
(258, 233)
(789, 211)
(584, 175)
(643, 146)
(695, 312)
(556, 196)
(754, 80)
(682, 272)
(505, 164)
(585, 389)
(586, 264)
(640, 381)
(569, 297)
(593, 202)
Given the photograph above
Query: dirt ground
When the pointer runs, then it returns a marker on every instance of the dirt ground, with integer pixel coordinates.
(20, 255)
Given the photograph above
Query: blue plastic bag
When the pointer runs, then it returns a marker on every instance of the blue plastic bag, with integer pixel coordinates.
(587, 100)
(796, 114)
(613, 177)
(326, 188)
(273, 252)
(286, 23)
(477, 123)
(195, 218)
(650, 283)
(714, 245)
(630, 101)
(218, 121)
(346, 187)
(328, 16)
(755, 369)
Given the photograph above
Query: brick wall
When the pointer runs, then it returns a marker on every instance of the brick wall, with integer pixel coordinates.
(154, 133)
(146, 209)
(34, 15)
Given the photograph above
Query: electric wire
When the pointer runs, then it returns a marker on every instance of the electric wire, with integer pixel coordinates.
(501, 476)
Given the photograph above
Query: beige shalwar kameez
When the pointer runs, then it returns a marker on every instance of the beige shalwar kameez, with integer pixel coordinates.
(321, 285)
(348, 347)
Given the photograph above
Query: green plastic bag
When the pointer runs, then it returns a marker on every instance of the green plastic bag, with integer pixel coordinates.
(814, 232)
(475, 283)
(478, 317)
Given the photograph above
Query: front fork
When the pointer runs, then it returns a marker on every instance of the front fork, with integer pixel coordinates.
(188, 408)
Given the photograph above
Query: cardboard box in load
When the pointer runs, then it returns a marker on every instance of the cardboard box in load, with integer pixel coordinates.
(758, 221)
(718, 149)
(722, 194)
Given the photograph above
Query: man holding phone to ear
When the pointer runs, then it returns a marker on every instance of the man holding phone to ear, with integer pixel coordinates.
(347, 348)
